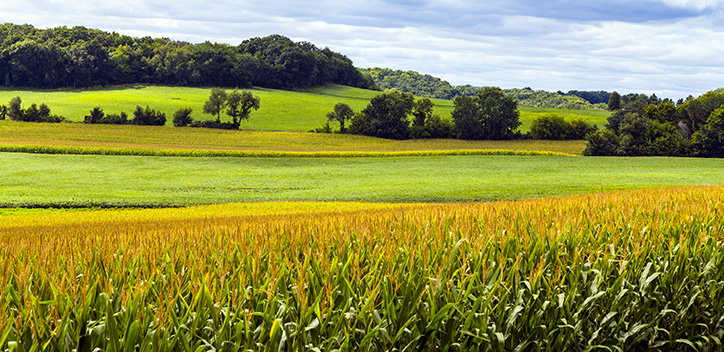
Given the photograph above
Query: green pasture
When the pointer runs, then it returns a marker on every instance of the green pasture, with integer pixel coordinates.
(280, 110)
(31, 180)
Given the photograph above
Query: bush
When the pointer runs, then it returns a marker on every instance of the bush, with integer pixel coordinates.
(601, 143)
(95, 115)
(182, 117)
(550, 126)
(215, 124)
(148, 117)
(579, 129)
(115, 119)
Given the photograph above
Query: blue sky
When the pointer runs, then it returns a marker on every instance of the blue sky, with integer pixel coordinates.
(672, 48)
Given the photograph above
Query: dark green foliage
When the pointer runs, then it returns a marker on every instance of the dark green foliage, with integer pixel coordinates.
(115, 119)
(709, 140)
(342, 113)
(489, 115)
(579, 129)
(96, 115)
(413, 82)
(593, 97)
(326, 128)
(550, 126)
(651, 126)
(433, 87)
(239, 105)
(216, 103)
(148, 117)
(182, 117)
(438, 127)
(82, 57)
(215, 124)
(601, 143)
(387, 115)
(422, 111)
(614, 101)
(467, 118)
(555, 127)
(15, 110)
(360, 124)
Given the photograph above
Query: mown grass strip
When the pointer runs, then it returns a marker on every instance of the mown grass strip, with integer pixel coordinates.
(40, 149)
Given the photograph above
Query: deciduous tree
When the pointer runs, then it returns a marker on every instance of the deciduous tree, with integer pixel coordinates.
(342, 113)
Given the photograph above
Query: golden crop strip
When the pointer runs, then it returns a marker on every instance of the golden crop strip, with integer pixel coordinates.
(633, 269)
(141, 230)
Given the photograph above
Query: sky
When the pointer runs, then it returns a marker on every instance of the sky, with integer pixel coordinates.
(671, 48)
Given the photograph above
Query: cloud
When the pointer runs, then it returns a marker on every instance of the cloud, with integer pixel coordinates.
(668, 47)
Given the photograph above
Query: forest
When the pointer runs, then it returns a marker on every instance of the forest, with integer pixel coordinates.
(79, 57)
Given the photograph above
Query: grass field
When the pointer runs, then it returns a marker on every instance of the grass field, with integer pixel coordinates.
(623, 271)
(280, 110)
(81, 180)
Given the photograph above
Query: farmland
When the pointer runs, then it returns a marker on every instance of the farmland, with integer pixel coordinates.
(266, 240)
(280, 110)
(637, 270)
(32, 180)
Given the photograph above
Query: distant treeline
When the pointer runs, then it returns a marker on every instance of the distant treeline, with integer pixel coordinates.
(647, 125)
(81, 57)
(433, 87)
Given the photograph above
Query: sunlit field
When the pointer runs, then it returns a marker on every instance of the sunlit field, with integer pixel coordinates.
(280, 110)
(636, 270)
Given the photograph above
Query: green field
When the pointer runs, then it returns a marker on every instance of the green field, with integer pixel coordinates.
(280, 110)
(76, 180)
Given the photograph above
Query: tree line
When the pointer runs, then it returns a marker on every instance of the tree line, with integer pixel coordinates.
(490, 114)
(425, 85)
(647, 125)
(80, 57)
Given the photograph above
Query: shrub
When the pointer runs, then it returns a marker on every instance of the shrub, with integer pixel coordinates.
(95, 115)
(182, 117)
(600, 143)
(549, 126)
(148, 117)
(215, 124)
(115, 119)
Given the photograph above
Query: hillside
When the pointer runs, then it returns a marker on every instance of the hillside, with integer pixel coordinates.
(280, 110)
(429, 86)
(82, 57)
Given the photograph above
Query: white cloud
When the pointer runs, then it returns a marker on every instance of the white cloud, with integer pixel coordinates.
(668, 47)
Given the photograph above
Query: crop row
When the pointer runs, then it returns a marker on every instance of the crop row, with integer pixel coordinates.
(639, 270)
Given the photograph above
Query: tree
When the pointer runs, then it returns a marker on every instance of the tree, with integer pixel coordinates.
(342, 112)
(387, 115)
(239, 105)
(467, 118)
(182, 117)
(550, 126)
(614, 101)
(216, 103)
(148, 117)
(96, 115)
(3, 112)
(422, 111)
(15, 110)
(489, 115)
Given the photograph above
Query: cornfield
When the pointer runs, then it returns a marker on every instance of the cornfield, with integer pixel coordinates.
(620, 271)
